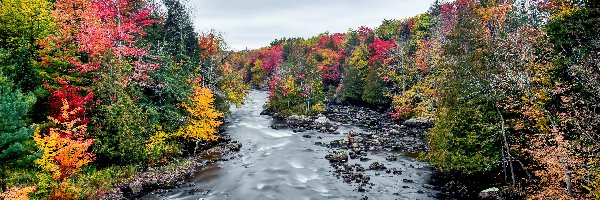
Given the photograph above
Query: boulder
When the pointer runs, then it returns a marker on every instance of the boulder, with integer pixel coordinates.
(490, 194)
(376, 166)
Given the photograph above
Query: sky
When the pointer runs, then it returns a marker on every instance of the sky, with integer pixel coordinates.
(255, 23)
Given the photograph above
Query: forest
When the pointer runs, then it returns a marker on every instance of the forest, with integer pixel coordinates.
(94, 92)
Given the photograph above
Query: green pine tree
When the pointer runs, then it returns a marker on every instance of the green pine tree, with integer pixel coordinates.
(15, 134)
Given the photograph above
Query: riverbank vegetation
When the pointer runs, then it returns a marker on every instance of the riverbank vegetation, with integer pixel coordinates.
(93, 91)
(511, 86)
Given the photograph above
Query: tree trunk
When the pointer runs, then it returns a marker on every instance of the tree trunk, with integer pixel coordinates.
(568, 180)
(3, 181)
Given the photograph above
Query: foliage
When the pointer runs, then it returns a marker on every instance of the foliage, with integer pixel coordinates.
(203, 119)
(64, 147)
(15, 133)
(122, 135)
(354, 75)
(463, 139)
(374, 92)
(219, 76)
(17, 193)
(21, 22)
(113, 81)
(93, 183)
(160, 145)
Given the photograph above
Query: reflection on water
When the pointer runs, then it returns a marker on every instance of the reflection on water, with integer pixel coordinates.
(280, 164)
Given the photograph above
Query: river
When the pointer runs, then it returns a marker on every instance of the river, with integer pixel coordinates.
(281, 164)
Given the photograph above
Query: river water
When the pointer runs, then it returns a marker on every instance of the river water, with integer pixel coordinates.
(281, 164)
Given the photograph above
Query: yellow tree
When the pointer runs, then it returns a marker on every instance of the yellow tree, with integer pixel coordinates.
(23, 20)
(203, 117)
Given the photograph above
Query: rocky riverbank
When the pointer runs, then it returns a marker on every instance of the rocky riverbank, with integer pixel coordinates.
(164, 178)
(351, 156)
(382, 133)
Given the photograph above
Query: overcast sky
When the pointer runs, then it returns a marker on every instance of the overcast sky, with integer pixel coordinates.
(255, 23)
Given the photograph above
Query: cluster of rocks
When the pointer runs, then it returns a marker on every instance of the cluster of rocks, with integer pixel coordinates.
(382, 131)
(360, 116)
(405, 140)
(366, 117)
(355, 173)
(303, 123)
(348, 172)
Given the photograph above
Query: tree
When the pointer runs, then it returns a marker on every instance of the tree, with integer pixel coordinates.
(573, 33)
(21, 24)
(464, 137)
(178, 37)
(203, 119)
(354, 81)
(65, 146)
(15, 133)
(375, 91)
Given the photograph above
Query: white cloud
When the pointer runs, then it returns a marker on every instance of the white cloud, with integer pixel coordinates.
(255, 23)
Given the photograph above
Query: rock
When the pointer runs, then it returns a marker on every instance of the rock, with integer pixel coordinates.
(359, 168)
(279, 126)
(306, 136)
(340, 157)
(235, 146)
(490, 193)
(322, 120)
(391, 157)
(135, 187)
(352, 155)
(361, 189)
(376, 166)
(455, 187)
(418, 122)
(407, 181)
(265, 112)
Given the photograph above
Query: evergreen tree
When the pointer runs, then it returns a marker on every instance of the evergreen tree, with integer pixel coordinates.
(15, 134)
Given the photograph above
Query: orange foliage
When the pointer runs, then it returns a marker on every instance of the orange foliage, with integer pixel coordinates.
(209, 44)
(65, 149)
(553, 154)
(17, 193)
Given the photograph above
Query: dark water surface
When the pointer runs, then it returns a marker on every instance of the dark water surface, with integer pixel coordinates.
(281, 164)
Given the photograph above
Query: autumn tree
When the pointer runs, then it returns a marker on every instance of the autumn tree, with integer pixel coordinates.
(464, 136)
(573, 32)
(65, 145)
(217, 73)
(352, 86)
(203, 119)
(375, 91)
(21, 24)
